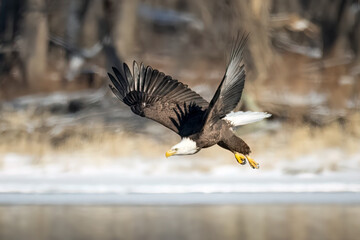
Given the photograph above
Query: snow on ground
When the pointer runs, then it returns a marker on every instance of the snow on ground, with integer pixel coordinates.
(66, 175)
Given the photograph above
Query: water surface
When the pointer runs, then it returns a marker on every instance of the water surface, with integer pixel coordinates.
(261, 221)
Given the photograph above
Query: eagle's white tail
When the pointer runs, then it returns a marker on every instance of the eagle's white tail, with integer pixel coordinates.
(242, 118)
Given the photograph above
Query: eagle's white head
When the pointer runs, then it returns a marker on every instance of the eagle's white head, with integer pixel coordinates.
(185, 147)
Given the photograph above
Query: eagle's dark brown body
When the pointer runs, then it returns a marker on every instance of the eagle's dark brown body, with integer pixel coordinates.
(222, 135)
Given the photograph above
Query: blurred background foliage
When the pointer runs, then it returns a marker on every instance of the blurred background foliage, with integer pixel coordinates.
(302, 61)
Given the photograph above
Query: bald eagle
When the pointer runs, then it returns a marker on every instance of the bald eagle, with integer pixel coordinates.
(200, 124)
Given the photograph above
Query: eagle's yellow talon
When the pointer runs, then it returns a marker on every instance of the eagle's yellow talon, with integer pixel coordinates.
(252, 163)
(240, 158)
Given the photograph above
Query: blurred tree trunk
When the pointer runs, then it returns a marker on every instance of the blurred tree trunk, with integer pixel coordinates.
(256, 22)
(106, 29)
(125, 27)
(355, 38)
(9, 16)
(75, 21)
(10, 19)
(35, 43)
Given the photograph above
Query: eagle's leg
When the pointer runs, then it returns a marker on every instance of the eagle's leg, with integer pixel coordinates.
(240, 158)
(240, 149)
(252, 163)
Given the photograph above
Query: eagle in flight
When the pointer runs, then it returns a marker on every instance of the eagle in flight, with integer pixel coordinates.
(200, 124)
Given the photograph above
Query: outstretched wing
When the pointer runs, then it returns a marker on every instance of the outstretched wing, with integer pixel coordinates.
(157, 96)
(228, 94)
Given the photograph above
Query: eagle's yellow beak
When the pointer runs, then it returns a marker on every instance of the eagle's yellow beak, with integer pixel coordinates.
(170, 153)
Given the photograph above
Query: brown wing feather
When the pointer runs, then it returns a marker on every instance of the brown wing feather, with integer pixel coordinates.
(157, 96)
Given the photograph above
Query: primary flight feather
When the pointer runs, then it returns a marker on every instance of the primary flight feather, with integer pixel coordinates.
(152, 94)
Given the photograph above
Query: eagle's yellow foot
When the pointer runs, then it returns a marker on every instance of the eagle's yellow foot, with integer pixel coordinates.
(240, 158)
(252, 163)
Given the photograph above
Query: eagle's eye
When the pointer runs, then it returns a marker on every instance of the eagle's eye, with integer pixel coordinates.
(176, 149)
